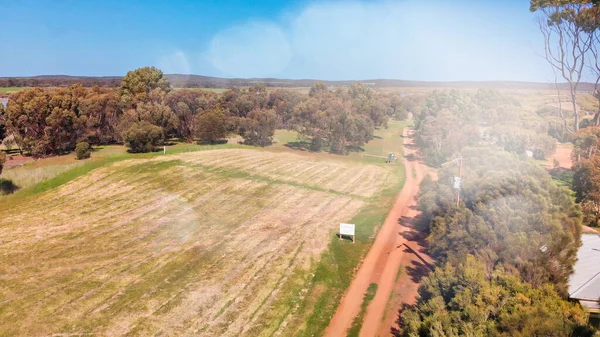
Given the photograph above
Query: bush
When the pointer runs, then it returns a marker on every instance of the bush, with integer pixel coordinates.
(142, 137)
(7, 186)
(82, 150)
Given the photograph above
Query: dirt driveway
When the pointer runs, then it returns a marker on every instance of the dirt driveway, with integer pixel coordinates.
(398, 248)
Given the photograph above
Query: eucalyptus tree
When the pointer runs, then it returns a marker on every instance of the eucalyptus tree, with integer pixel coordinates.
(569, 29)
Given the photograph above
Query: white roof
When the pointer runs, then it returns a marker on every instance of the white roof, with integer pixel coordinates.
(584, 283)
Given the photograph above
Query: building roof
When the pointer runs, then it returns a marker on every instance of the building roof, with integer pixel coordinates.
(584, 283)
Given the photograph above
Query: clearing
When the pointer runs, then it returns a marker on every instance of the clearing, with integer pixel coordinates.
(224, 242)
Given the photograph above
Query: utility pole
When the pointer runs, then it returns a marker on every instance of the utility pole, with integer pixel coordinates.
(457, 179)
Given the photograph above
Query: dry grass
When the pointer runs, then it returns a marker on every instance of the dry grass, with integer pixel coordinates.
(205, 243)
(28, 176)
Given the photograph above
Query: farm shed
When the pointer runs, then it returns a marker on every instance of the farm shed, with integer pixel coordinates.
(584, 283)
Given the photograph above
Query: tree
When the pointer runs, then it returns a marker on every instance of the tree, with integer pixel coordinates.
(259, 127)
(311, 122)
(211, 125)
(141, 84)
(142, 136)
(103, 114)
(364, 103)
(510, 208)
(462, 299)
(284, 102)
(568, 30)
(318, 89)
(2, 161)
(586, 143)
(2, 122)
(154, 113)
(518, 140)
(346, 130)
(595, 65)
(239, 103)
(187, 104)
(82, 150)
(46, 122)
(586, 183)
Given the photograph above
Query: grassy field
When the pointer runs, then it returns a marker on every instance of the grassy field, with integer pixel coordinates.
(206, 240)
(12, 89)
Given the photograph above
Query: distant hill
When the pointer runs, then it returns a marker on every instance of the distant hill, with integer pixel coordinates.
(199, 81)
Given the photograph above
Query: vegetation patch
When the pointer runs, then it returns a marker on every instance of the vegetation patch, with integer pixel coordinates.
(358, 320)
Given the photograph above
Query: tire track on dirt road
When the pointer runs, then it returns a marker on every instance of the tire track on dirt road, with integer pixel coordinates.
(398, 245)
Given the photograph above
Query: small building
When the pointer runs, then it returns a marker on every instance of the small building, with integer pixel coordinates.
(584, 283)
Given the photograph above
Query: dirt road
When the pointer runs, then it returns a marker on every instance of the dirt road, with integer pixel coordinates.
(562, 155)
(398, 245)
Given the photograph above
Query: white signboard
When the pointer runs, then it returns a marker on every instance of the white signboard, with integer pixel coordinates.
(346, 229)
(456, 184)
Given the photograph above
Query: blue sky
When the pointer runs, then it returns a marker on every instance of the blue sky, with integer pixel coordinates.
(338, 39)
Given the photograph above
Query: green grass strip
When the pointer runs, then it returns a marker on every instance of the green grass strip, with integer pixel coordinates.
(358, 320)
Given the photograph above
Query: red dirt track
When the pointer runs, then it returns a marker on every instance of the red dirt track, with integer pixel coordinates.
(565, 161)
(398, 245)
(562, 155)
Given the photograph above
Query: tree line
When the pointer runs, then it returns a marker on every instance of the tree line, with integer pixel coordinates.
(145, 111)
(504, 254)
(586, 173)
(447, 121)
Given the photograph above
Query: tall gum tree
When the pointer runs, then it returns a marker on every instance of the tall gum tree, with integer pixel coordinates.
(569, 29)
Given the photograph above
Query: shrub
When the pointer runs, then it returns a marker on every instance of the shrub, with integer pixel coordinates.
(142, 137)
(7, 186)
(82, 150)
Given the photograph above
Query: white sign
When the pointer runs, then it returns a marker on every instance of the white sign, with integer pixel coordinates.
(346, 229)
(457, 183)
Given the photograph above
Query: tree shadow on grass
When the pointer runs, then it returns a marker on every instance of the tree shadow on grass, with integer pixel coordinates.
(298, 145)
(7, 186)
(355, 149)
(216, 142)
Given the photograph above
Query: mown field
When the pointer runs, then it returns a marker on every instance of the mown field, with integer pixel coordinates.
(229, 242)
